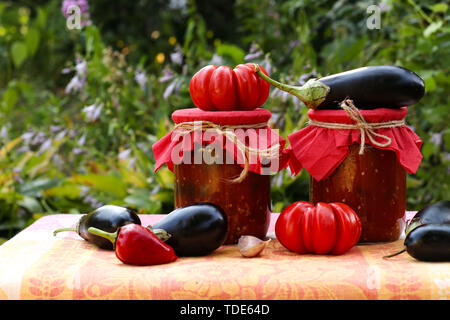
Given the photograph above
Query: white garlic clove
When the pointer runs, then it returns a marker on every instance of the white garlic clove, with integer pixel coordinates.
(250, 246)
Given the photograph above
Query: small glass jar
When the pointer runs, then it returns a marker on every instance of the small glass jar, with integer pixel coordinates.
(247, 203)
(374, 185)
(240, 183)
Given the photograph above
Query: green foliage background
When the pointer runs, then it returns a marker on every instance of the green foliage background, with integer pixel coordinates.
(56, 156)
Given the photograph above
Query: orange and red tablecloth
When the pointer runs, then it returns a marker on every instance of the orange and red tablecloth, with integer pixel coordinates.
(37, 265)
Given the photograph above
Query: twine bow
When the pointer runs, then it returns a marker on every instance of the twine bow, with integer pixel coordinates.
(367, 129)
(228, 132)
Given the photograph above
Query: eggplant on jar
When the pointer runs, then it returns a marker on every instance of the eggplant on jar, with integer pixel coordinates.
(369, 87)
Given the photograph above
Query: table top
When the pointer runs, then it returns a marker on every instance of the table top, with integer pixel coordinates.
(37, 265)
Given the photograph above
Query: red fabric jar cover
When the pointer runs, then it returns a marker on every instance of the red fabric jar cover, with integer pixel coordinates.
(321, 150)
(263, 139)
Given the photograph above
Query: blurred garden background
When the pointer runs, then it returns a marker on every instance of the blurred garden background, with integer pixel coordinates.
(81, 108)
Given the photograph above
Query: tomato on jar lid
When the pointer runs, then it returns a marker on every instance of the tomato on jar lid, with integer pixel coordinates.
(220, 88)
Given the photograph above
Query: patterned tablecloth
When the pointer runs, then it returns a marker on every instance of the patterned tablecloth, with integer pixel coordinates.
(36, 265)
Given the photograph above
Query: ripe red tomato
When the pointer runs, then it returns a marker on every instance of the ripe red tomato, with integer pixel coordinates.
(220, 88)
(322, 229)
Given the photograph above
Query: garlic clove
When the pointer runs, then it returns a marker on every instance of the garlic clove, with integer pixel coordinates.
(250, 246)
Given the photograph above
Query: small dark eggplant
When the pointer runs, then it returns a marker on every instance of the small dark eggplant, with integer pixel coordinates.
(429, 242)
(195, 230)
(368, 87)
(107, 218)
(438, 212)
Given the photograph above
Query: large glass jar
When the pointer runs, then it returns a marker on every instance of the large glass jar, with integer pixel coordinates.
(374, 185)
(361, 162)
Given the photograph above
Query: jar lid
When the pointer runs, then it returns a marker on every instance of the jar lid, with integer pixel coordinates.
(372, 116)
(236, 117)
(321, 147)
(256, 148)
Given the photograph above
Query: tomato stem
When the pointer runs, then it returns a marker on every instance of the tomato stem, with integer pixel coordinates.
(312, 93)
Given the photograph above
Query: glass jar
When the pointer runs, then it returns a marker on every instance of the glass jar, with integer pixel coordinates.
(374, 185)
(247, 203)
(226, 158)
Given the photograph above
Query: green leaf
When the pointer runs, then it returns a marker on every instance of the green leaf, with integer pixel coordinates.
(432, 28)
(439, 7)
(430, 84)
(231, 51)
(10, 98)
(427, 150)
(110, 184)
(31, 204)
(94, 44)
(41, 18)
(141, 199)
(32, 40)
(34, 188)
(18, 53)
(68, 191)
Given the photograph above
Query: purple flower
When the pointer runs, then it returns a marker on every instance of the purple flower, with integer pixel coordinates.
(177, 56)
(125, 154)
(255, 52)
(177, 4)
(83, 5)
(4, 133)
(306, 76)
(92, 112)
(167, 75)
(216, 59)
(174, 86)
(45, 146)
(78, 81)
(436, 138)
(76, 85)
(141, 78)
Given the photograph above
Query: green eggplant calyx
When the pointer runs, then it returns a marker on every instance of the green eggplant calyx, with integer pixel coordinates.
(312, 93)
(394, 254)
(162, 234)
(111, 236)
(414, 223)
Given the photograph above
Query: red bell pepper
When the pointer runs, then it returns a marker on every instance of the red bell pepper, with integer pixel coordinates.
(220, 88)
(137, 245)
(332, 228)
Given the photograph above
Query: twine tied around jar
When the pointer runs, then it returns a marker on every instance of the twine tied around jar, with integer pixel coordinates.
(366, 128)
(228, 132)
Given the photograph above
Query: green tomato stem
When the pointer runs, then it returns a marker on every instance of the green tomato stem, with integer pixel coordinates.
(312, 93)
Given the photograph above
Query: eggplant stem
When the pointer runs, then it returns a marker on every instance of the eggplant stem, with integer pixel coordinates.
(111, 236)
(64, 229)
(394, 254)
(312, 93)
